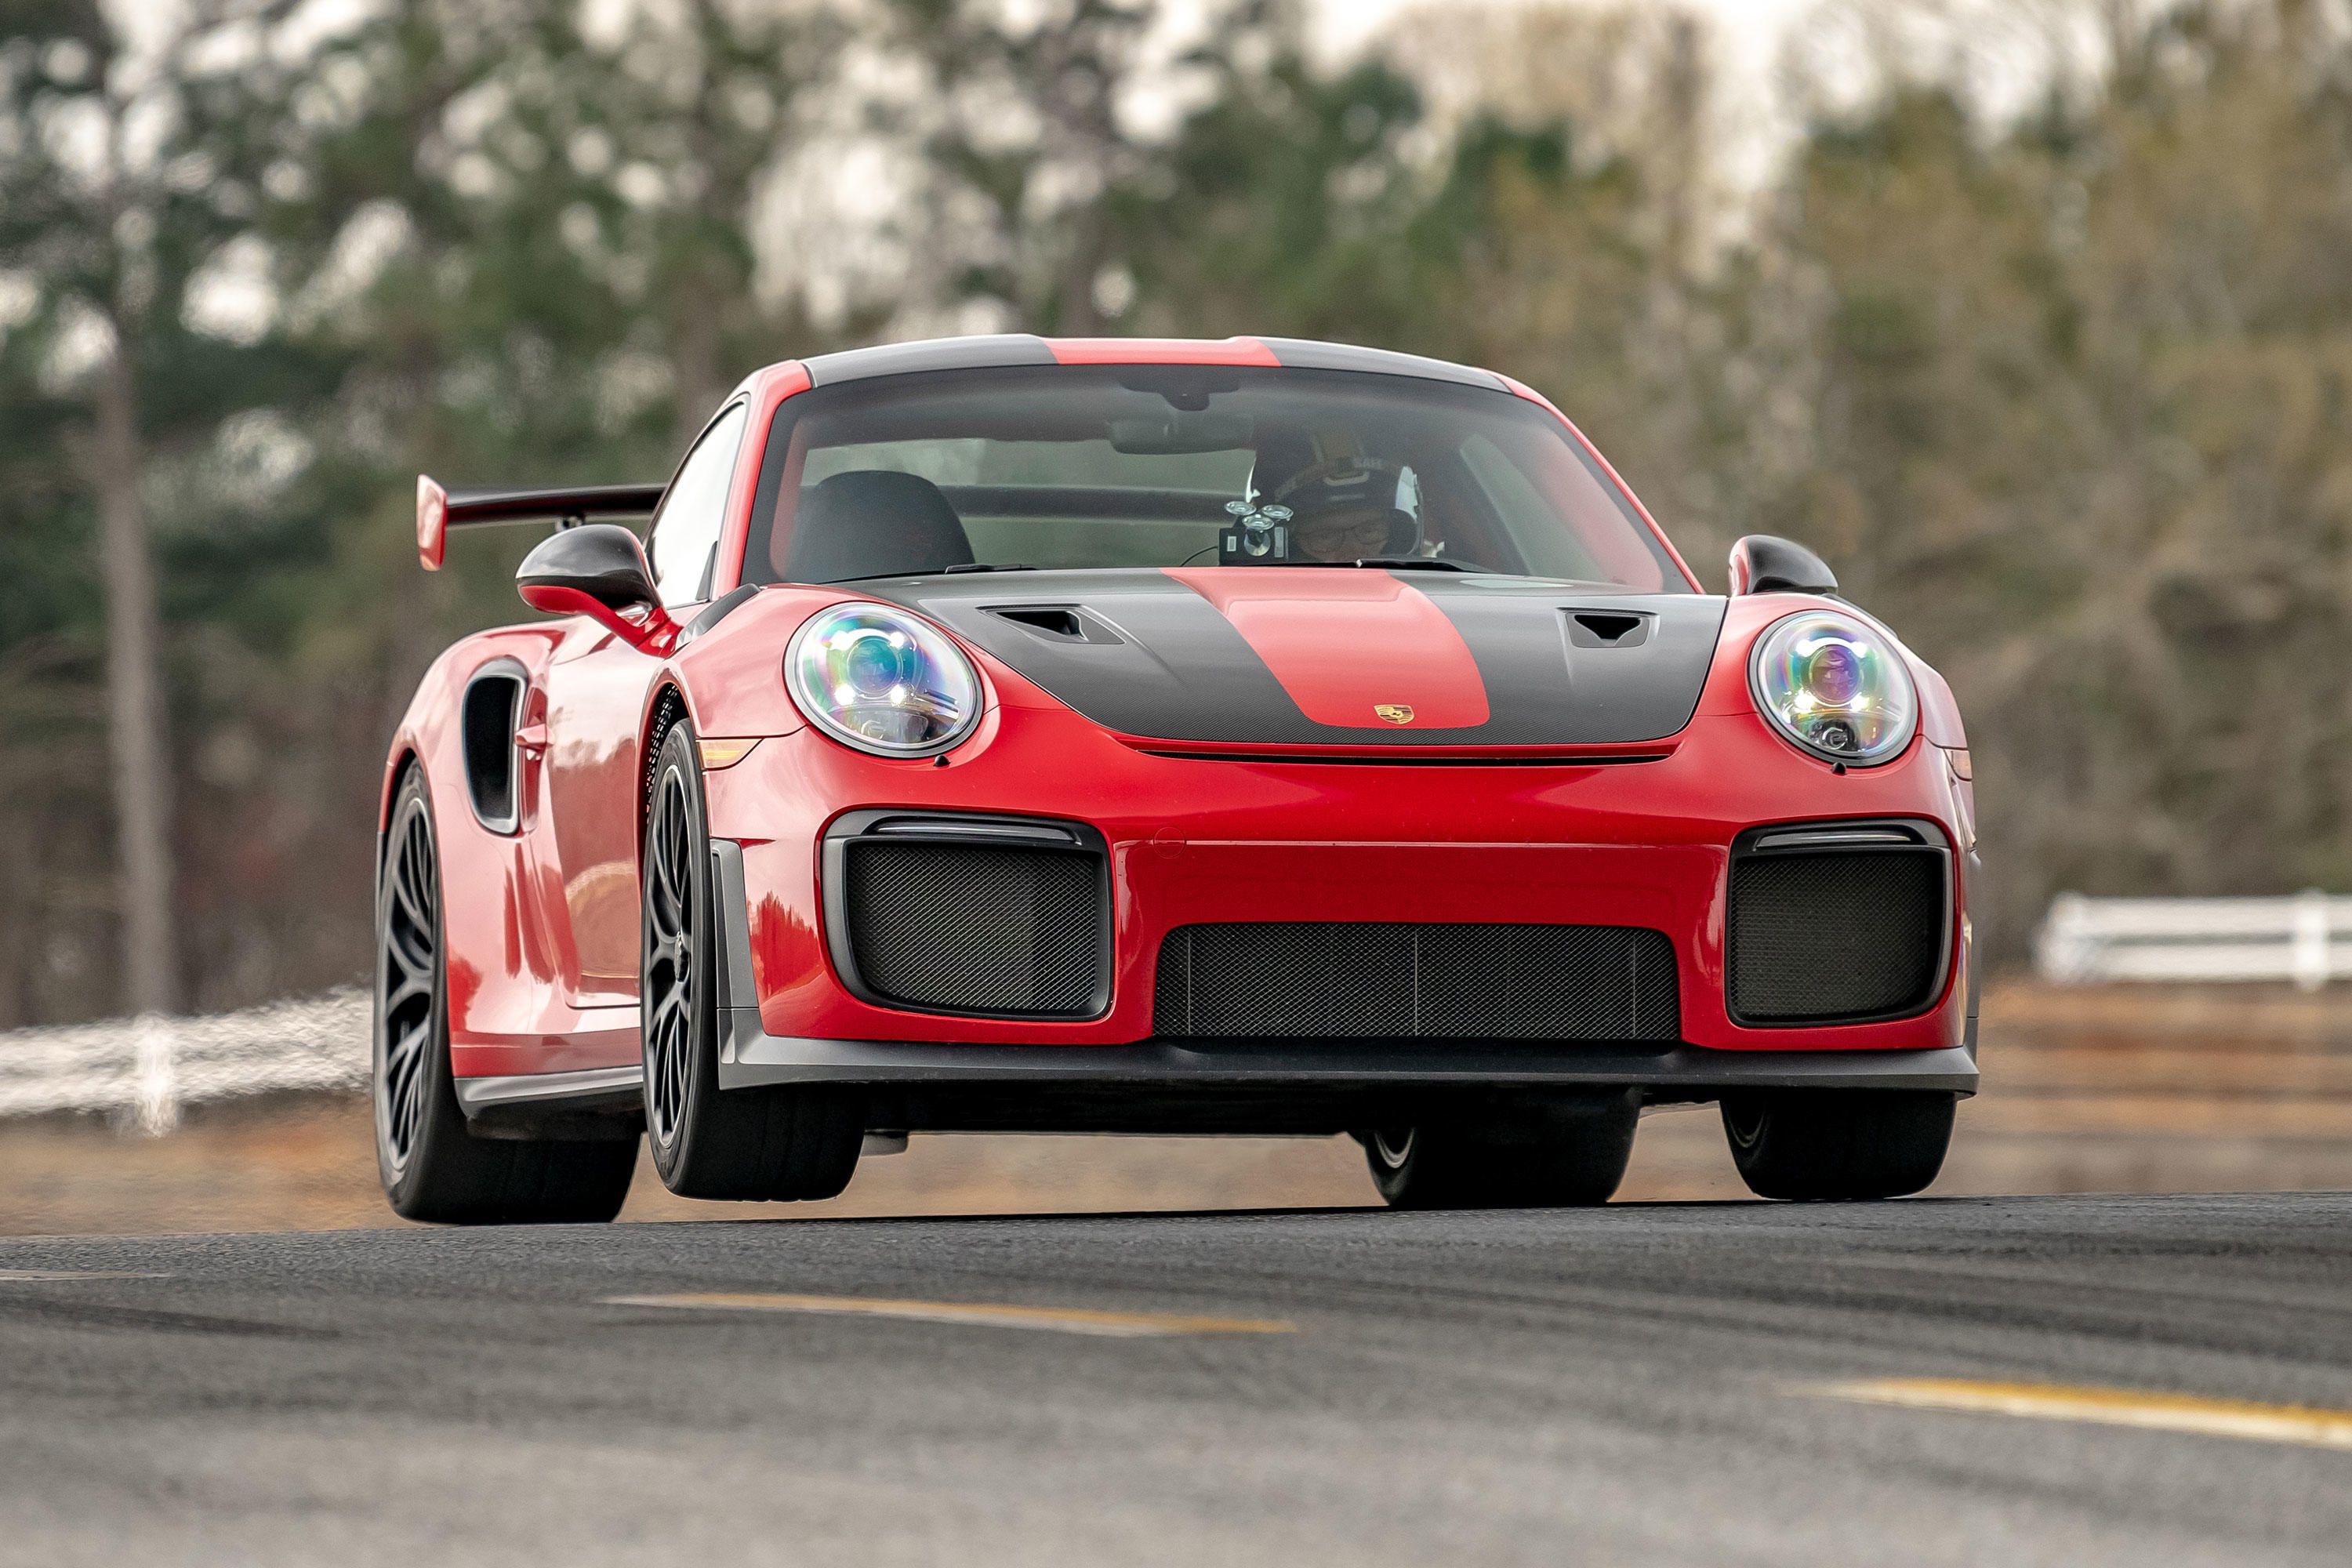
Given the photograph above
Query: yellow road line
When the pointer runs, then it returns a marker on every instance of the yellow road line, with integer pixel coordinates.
(2106, 1407)
(1056, 1319)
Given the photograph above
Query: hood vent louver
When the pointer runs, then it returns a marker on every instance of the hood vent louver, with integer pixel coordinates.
(1607, 628)
(1057, 623)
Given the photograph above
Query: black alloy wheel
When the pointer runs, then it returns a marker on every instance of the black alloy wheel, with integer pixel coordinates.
(433, 1167)
(409, 984)
(1838, 1144)
(670, 996)
(1570, 1153)
(709, 1143)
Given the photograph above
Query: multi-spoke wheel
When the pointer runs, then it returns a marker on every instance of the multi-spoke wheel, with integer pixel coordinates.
(1548, 1156)
(432, 1168)
(668, 997)
(708, 1142)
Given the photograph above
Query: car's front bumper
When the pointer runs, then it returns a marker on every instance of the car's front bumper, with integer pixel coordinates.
(1270, 1085)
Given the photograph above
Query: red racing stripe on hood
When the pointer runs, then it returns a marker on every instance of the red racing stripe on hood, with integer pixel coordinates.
(1345, 642)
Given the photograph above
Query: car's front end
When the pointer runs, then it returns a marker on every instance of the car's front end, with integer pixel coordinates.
(997, 935)
(1074, 771)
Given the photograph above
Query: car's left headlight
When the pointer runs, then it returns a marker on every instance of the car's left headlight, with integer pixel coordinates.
(883, 680)
(1835, 686)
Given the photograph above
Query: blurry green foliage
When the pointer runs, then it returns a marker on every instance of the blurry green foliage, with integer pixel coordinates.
(2067, 400)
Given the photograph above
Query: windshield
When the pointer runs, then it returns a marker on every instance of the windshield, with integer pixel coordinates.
(1143, 466)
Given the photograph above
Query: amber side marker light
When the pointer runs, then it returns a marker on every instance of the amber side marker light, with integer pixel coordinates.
(723, 753)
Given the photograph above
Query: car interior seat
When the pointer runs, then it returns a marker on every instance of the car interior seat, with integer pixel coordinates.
(872, 522)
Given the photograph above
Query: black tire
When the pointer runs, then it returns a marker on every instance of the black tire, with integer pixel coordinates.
(764, 1143)
(1838, 1144)
(432, 1168)
(1566, 1155)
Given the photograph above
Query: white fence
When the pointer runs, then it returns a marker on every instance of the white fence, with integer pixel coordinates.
(2305, 938)
(145, 1069)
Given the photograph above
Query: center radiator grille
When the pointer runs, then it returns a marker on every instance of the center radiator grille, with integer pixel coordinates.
(1345, 979)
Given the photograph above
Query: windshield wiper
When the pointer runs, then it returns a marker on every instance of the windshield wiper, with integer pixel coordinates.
(986, 566)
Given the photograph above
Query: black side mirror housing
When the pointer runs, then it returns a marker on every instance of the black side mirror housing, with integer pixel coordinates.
(1765, 564)
(596, 570)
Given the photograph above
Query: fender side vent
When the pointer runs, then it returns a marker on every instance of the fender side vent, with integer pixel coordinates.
(487, 718)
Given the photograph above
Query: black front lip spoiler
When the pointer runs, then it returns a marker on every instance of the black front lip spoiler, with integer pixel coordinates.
(749, 1056)
(753, 1057)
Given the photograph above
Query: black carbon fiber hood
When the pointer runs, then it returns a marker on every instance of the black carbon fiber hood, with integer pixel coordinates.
(1147, 653)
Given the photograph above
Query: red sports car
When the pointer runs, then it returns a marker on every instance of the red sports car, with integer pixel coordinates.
(1010, 733)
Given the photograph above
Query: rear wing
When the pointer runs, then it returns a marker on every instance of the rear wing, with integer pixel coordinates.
(439, 509)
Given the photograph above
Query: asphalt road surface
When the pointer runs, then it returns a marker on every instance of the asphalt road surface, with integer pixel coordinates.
(2143, 1380)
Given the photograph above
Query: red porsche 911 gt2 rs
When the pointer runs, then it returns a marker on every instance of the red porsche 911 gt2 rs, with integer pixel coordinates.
(1008, 733)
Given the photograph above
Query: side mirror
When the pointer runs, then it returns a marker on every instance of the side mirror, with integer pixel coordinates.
(1761, 564)
(597, 570)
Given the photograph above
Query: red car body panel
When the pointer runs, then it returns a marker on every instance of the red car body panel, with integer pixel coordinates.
(1344, 645)
(541, 920)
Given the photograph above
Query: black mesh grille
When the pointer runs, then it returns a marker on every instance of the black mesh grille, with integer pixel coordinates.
(970, 928)
(1818, 937)
(1349, 979)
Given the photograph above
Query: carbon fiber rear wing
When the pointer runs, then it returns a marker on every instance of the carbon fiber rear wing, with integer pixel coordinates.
(439, 509)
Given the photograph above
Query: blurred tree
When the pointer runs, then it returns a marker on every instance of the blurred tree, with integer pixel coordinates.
(2067, 395)
(1045, 126)
(2079, 408)
(526, 247)
(123, 181)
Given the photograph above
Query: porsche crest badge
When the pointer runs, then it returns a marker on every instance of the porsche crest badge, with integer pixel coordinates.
(1394, 712)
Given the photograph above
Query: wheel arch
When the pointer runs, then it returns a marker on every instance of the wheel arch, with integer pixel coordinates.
(665, 706)
(405, 758)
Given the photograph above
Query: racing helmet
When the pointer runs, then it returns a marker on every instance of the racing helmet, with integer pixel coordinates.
(1339, 509)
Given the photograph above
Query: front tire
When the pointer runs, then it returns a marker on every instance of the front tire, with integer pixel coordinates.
(1838, 1144)
(708, 1142)
(432, 1168)
(1572, 1154)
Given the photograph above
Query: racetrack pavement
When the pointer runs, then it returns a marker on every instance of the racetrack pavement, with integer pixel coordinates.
(2076, 1380)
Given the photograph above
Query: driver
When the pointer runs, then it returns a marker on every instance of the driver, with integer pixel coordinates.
(1349, 508)
(1348, 521)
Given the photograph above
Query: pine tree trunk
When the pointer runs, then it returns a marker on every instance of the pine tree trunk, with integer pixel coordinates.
(142, 792)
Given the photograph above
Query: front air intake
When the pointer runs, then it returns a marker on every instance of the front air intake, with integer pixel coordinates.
(981, 916)
(1838, 924)
(1328, 979)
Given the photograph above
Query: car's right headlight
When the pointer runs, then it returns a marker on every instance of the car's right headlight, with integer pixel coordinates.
(1835, 686)
(882, 679)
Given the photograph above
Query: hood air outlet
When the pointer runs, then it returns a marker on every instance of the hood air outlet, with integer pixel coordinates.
(1057, 623)
(1607, 628)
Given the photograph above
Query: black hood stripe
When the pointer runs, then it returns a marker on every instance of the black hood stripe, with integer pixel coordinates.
(1179, 670)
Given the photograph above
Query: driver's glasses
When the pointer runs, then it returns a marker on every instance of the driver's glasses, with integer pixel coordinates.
(1342, 535)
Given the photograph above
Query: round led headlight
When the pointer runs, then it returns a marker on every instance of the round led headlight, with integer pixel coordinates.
(1835, 686)
(885, 681)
